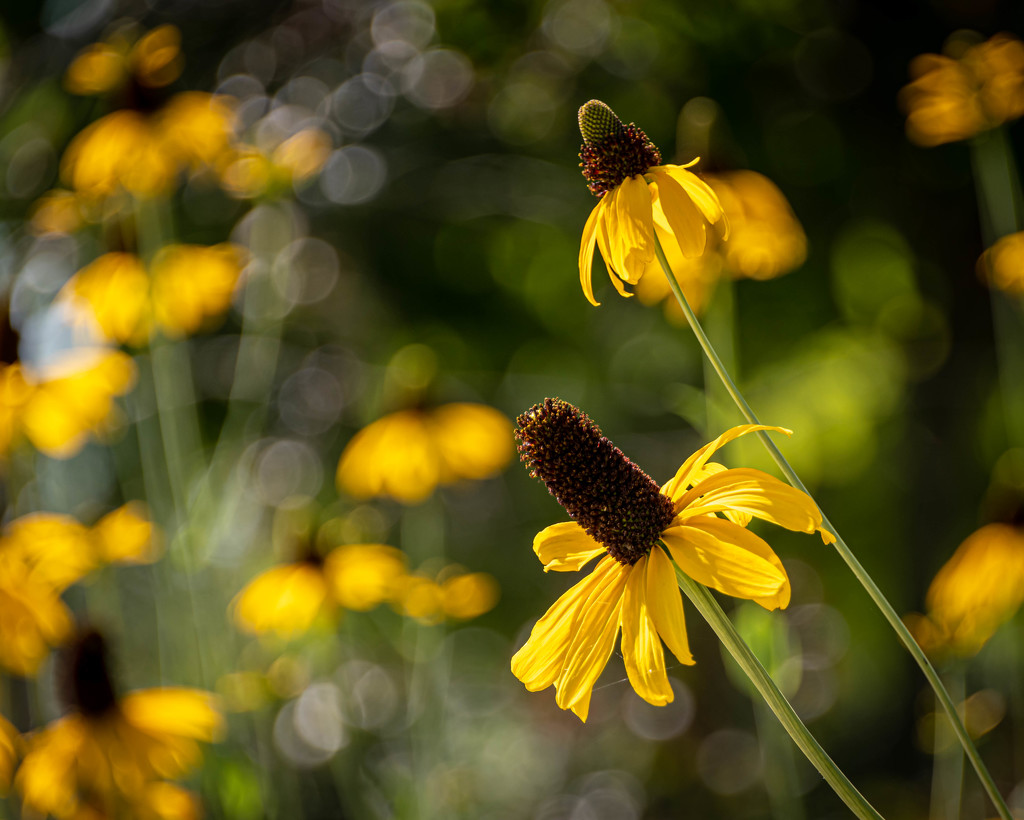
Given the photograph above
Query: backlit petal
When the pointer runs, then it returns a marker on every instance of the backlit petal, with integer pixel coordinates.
(699, 192)
(594, 635)
(666, 605)
(755, 493)
(587, 254)
(565, 547)
(641, 646)
(682, 215)
(695, 463)
(723, 564)
(635, 227)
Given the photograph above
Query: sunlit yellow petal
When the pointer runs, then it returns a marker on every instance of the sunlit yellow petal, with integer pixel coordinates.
(469, 595)
(361, 576)
(723, 564)
(698, 191)
(175, 711)
(115, 289)
(285, 599)
(565, 547)
(641, 647)
(665, 605)
(10, 747)
(392, 456)
(587, 243)
(473, 441)
(595, 630)
(156, 57)
(682, 215)
(635, 225)
(125, 535)
(193, 284)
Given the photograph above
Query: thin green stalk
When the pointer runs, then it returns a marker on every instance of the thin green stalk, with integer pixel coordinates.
(702, 599)
(947, 761)
(844, 551)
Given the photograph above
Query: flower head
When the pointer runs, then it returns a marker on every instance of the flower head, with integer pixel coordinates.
(110, 750)
(1002, 265)
(955, 97)
(407, 454)
(637, 530)
(639, 199)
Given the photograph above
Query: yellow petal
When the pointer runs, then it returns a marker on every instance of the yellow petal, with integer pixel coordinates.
(682, 215)
(587, 243)
(695, 463)
(749, 491)
(666, 605)
(361, 576)
(539, 662)
(473, 441)
(698, 191)
(174, 711)
(593, 636)
(565, 547)
(715, 559)
(635, 227)
(125, 535)
(285, 599)
(742, 537)
(641, 646)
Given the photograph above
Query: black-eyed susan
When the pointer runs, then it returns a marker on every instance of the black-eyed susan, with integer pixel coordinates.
(973, 89)
(110, 752)
(406, 455)
(638, 531)
(974, 593)
(286, 599)
(185, 289)
(639, 198)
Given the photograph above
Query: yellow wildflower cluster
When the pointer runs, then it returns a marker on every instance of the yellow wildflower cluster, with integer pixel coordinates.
(288, 598)
(41, 555)
(1002, 265)
(971, 90)
(59, 407)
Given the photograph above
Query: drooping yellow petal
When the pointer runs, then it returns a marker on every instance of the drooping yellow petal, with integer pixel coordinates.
(713, 468)
(750, 491)
(175, 711)
(565, 547)
(682, 215)
(724, 564)
(695, 463)
(665, 605)
(699, 192)
(540, 660)
(635, 228)
(594, 635)
(125, 535)
(641, 647)
(56, 548)
(587, 243)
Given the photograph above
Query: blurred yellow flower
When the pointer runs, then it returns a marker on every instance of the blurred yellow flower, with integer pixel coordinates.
(155, 60)
(1002, 265)
(186, 287)
(247, 172)
(640, 199)
(638, 531)
(33, 618)
(288, 598)
(766, 239)
(143, 155)
(974, 593)
(406, 455)
(56, 211)
(455, 595)
(10, 751)
(110, 751)
(956, 97)
(72, 399)
(697, 277)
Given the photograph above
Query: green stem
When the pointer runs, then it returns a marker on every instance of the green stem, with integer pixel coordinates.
(947, 761)
(844, 551)
(702, 599)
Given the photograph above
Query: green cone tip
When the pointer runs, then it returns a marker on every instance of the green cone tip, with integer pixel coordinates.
(598, 121)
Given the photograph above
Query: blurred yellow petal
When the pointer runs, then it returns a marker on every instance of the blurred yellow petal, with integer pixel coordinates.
(174, 711)
(361, 576)
(469, 595)
(156, 57)
(115, 288)
(10, 750)
(285, 600)
(33, 618)
(303, 154)
(193, 284)
(56, 211)
(56, 548)
(96, 69)
(195, 128)
(420, 598)
(1002, 265)
(125, 536)
(473, 441)
(642, 654)
(565, 547)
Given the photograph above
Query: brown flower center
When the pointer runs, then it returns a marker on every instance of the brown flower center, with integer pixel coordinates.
(612, 151)
(90, 688)
(614, 501)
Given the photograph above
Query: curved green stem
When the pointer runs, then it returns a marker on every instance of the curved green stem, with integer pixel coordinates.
(844, 551)
(702, 599)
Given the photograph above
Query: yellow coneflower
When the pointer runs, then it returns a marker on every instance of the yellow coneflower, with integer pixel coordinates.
(638, 530)
(956, 97)
(406, 455)
(186, 288)
(975, 592)
(639, 198)
(286, 599)
(111, 751)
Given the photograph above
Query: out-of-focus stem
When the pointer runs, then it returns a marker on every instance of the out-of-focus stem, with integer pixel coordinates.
(841, 547)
